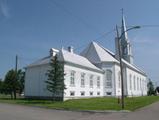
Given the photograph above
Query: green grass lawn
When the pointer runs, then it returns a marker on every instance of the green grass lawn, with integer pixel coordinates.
(106, 103)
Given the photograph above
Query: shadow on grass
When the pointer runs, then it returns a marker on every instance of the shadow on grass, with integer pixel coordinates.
(22, 100)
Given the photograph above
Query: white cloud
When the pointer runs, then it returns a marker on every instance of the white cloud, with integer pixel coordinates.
(4, 9)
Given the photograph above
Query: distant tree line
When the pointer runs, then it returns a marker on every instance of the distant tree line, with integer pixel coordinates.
(151, 89)
(13, 83)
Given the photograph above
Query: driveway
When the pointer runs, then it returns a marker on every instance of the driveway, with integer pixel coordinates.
(19, 112)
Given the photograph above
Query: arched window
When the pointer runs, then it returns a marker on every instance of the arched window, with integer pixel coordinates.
(72, 78)
(109, 78)
(130, 84)
(140, 84)
(134, 83)
(137, 83)
(119, 79)
(98, 81)
(143, 84)
(125, 50)
(91, 81)
(82, 79)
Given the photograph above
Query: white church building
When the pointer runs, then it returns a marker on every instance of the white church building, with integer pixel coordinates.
(95, 72)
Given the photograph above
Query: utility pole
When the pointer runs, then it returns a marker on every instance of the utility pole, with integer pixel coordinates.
(16, 73)
(120, 60)
(16, 63)
(121, 68)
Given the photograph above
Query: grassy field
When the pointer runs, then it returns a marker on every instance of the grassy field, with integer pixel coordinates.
(106, 103)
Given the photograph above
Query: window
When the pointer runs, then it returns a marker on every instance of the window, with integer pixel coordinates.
(119, 79)
(72, 93)
(137, 83)
(140, 84)
(143, 84)
(109, 78)
(134, 83)
(72, 78)
(91, 93)
(130, 82)
(98, 93)
(82, 79)
(125, 50)
(82, 93)
(91, 81)
(109, 93)
(98, 82)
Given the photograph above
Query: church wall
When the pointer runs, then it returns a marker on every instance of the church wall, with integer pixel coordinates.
(109, 91)
(35, 85)
(138, 85)
(77, 88)
(35, 81)
(141, 87)
(117, 80)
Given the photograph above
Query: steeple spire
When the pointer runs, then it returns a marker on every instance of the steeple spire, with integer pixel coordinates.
(125, 43)
(123, 28)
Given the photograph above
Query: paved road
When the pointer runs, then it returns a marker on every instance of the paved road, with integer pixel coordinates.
(19, 112)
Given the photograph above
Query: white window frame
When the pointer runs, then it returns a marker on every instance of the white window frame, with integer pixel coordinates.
(137, 83)
(134, 82)
(82, 79)
(141, 84)
(83, 92)
(98, 81)
(130, 82)
(109, 75)
(72, 78)
(98, 93)
(91, 93)
(72, 92)
(91, 81)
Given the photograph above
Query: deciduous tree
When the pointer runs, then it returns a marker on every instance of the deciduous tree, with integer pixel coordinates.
(150, 86)
(11, 82)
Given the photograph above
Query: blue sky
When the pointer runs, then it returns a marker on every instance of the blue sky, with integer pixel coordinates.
(30, 28)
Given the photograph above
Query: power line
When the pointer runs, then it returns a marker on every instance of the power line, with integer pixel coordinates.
(100, 37)
(142, 26)
(149, 25)
(105, 34)
(68, 11)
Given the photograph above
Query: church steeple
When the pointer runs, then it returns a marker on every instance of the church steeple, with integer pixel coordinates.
(123, 30)
(126, 47)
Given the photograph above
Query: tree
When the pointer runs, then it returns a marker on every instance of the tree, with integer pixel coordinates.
(20, 78)
(11, 82)
(157, 89)
(1, 86)
(151, 90)
(55, 81)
